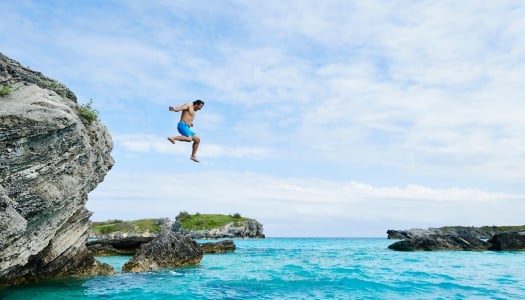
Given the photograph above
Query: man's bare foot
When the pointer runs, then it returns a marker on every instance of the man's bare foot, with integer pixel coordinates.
(171, 140)
(194, 159)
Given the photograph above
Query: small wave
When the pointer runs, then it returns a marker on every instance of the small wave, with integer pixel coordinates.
(176, 273)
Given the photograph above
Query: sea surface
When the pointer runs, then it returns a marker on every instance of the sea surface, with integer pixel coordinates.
(306, 268)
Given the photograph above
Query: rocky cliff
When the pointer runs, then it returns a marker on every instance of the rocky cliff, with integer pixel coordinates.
(245, 230)
(50, 159)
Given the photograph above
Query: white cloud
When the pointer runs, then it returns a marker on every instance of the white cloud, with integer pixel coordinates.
(153, 143)
(145, 143)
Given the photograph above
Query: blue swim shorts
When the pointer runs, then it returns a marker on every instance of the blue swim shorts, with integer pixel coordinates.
(184, 129)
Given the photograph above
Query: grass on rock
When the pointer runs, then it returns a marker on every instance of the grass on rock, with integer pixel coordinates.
(208, 221)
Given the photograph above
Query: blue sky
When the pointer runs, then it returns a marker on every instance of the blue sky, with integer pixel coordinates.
(322, 118)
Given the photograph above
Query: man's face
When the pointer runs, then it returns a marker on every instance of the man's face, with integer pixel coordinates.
(198, 107)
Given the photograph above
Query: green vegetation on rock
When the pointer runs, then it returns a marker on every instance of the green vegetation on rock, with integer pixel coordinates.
(87, 111)
(51, 84)
(5, 90)
(139, 226)
(208, 221)
(489, 229)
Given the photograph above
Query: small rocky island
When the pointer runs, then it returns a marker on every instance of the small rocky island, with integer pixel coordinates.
(496, 238)
(161, 243)
(116, 237)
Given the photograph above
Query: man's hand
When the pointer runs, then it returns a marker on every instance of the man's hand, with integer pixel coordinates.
(172, 108)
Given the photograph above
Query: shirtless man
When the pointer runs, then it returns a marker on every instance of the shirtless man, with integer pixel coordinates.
(186, 121)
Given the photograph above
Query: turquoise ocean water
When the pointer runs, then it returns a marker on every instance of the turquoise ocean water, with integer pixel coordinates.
(307, 268)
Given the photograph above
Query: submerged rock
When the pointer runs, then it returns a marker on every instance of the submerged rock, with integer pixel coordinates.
(167, 250)
(50, 159)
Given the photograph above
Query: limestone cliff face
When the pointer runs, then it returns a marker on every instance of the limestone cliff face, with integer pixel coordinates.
(50, 159)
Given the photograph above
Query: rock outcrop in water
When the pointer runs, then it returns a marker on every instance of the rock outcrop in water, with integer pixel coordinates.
(514, 240)
(130, 240)
(485, 232)
(440, 242)
(167, 250)
(119, 246)
(219, 247)
(50, 159)
(456, 239)
(130, 245)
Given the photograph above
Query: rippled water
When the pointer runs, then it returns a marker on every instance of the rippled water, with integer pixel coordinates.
(298, 268)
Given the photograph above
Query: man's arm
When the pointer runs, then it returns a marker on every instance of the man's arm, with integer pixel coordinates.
(180, 108)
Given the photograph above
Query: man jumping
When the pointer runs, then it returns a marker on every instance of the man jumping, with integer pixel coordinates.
(186, 121)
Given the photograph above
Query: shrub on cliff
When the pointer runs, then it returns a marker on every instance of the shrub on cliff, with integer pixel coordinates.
(183, 216)
(87, 111)
(5, 90)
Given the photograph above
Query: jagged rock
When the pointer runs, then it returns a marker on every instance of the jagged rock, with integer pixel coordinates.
(176, 226)
(458, 238)
(514, 240)
(439, 242)
(396, 234)
(167, 250)
(453, 230)
(50, 159)
(219, 247)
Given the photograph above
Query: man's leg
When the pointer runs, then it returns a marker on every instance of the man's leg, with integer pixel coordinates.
(195, 146)
(180, 138)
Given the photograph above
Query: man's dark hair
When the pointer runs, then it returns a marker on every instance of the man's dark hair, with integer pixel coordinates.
(198, 102)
